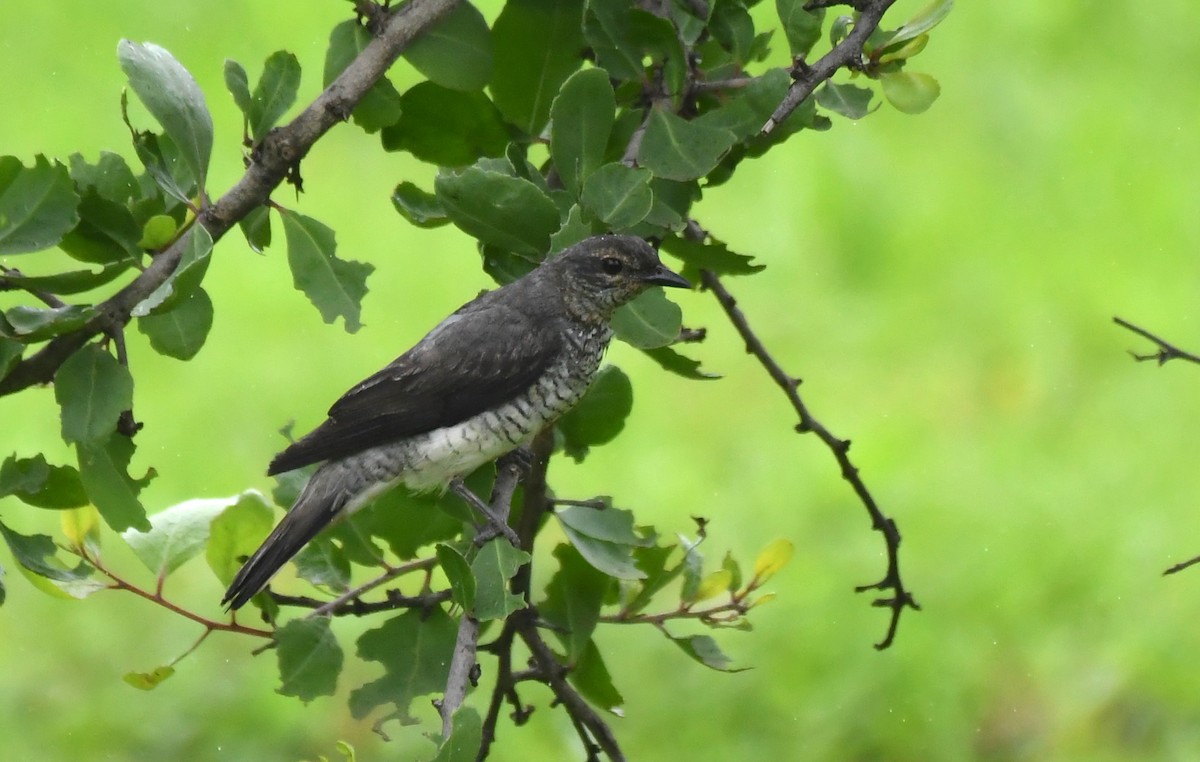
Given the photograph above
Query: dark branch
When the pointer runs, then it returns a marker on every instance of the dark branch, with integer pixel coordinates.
(278, 154)
(590, 727)
(847, 53)
(900, 597)
(1166, 350)
(393, 600)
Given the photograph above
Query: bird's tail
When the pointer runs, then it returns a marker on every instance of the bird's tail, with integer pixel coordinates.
(321, 501)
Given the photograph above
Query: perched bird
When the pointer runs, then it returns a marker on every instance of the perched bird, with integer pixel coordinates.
(483, 382)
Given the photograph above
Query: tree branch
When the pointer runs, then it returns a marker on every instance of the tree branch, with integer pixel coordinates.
(587, 723)
(847, 52)
(270, 162)
(462, 663)
(900, 598)
(1166, 351)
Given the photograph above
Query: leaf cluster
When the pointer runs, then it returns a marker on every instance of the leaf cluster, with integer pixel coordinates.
(557, 122)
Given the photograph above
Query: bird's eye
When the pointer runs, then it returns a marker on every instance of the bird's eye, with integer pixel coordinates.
(611, 265)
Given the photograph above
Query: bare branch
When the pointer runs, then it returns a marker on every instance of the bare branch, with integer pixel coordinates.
(421, 564)
(270, 163)
(462, 663)
(587, 723)
(1166, 351)
(848, 52)
(900, 597)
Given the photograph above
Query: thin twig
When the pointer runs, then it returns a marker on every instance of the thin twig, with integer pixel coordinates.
(1166, 350)
(392, 600)
(847, 52)
(388, 575)
(900, 598)
(589, 725)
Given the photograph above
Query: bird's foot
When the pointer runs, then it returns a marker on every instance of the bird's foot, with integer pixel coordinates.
(521, 459)
(495, 525)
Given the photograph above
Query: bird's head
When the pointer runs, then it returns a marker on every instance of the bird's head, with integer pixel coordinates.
(602, 273)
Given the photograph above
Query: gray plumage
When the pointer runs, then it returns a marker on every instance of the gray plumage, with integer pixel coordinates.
(483, 382)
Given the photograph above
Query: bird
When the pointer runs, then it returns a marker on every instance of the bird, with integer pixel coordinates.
(482, 383)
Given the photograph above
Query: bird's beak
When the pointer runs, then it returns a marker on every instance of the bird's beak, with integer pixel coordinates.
(664, 277)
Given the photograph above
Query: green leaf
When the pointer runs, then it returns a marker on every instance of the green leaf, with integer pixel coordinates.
(92, 388)
(10, 352)
(851, 101)
(237, 82)
(730, 564)
(310, 658)
(574, 596)
(925, 19)
(466, 734)
(747, 109)
(536, 47)
(148, 681)
(381, 105)
(37, 205)
(32, 324)
(173, 98)
(419, 207)
(110, 176)
(37, 483)
(446, 127)
(713, 255)
(619, 195)
(408, 522)
(37, 556)
(456, 52)
(334, 286)
(581, 121)
(590, 677)
(274, 94)
(104, 471)
(679, 364)
(681, 150)
(187, 277)
(256, 227)
(415, 649)
(733, 28)
(600, 415)
(910, 92)
(180, 332)
(623, 37)
(177, 534)
(163, 161)
(573, 231)
(509, 212)
(493, 566)
(66, 283)
(605, 538)
(458, 572)
(236, 533)
(651, 320)
(503, 266)
(324, 564)
(801, 27)
(106, 233)
(705, 650)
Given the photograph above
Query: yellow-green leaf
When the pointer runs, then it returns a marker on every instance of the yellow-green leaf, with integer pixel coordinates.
(773, 558)
(713, 585)
(148, 681)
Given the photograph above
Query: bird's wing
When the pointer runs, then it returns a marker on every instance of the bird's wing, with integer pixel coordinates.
(483, 355)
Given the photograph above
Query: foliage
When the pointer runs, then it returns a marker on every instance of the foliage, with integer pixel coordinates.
(560, 121)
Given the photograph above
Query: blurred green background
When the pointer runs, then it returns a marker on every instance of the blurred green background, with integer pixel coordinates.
(943, 283)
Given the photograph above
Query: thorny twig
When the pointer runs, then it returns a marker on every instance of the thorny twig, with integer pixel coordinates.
(900, 598)
(1166, 350)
